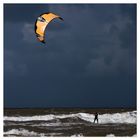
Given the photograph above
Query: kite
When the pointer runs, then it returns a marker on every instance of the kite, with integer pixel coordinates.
(41, 23)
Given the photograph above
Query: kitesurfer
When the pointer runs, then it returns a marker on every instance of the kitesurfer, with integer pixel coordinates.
(96, 117)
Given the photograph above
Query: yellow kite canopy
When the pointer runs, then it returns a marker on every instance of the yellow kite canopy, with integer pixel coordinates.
(41, 24)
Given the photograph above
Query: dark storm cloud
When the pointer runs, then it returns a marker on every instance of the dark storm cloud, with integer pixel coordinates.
(26, 16)
(99, 46)
(87, 58)
(23, 12)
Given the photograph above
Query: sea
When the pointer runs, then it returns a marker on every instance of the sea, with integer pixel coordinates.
(69, 122)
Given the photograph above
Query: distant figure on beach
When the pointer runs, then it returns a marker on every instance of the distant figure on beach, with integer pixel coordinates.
(96, 117)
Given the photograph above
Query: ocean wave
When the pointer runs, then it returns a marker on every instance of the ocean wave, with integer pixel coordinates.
(21, 132)
(125, 117)
(38, 117)
(135, 135)
(77, 135)
(24, 132)
(110, 135)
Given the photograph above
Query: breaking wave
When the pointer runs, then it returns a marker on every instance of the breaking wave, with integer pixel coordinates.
(125, 117)
(27, 133)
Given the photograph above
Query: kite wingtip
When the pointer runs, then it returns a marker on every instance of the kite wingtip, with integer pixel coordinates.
(43, 42)
(61, 18)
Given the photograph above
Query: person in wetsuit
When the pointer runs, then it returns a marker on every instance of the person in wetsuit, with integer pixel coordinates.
(96, 117)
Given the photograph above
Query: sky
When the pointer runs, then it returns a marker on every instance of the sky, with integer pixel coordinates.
(89, 59)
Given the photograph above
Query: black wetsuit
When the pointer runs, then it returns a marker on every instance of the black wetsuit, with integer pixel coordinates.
(96, 117)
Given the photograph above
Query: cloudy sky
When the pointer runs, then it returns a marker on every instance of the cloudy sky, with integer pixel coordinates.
(89, 59)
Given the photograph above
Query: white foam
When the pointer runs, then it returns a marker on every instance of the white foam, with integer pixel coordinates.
(135, 135)
(126, 117)
(22, 132)
(77, 135)
(110, 135)
(30, 118)
(54, 124)
(39, 118)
